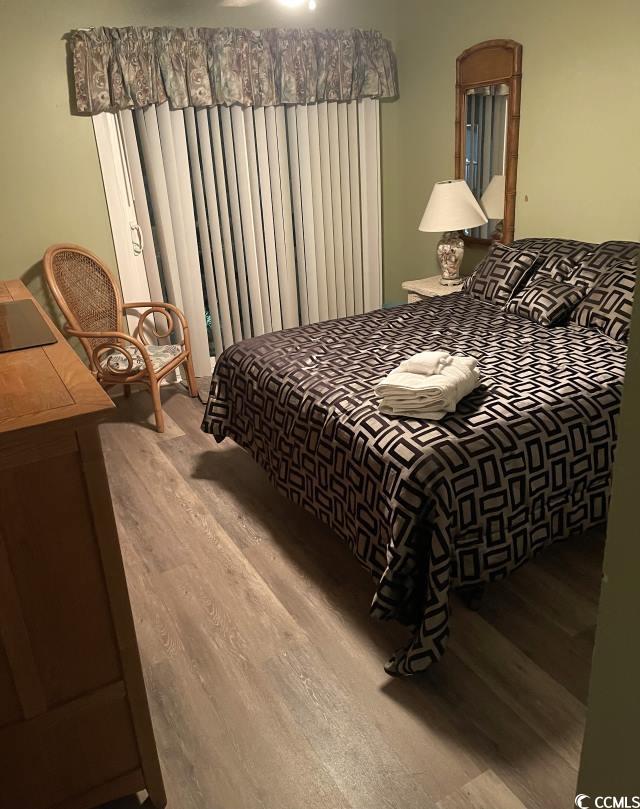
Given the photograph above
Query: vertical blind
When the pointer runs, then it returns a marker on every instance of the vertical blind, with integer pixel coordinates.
(257, 219)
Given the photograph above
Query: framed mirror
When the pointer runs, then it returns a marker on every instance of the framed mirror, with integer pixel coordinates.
(488, 80)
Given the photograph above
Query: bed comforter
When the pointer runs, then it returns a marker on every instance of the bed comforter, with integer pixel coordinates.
(525, 460)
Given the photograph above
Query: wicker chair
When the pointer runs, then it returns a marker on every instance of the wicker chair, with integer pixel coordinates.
(92, 305)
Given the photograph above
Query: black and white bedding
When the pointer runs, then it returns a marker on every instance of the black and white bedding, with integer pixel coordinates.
(524, 461)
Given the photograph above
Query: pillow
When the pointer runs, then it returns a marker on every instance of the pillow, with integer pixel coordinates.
(546, 247)
(557, 258)
(557, 268)
(606, 256)
(607, 306)
(545, 301)
(499, 274)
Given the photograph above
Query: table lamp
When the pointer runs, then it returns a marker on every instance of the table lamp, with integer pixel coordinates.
(492, 202)
(451, 208)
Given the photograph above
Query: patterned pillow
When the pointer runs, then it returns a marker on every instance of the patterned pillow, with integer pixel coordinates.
(603, 258)
(557, 258)
(608, 304)
(498, 275)
(557, 268)
(545, 301)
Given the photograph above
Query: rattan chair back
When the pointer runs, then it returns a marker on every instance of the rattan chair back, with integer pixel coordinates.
(85, 292)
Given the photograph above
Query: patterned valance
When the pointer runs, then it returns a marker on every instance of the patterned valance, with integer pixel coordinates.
(123, 68)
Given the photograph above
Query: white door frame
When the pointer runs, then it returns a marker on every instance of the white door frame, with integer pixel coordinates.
(127, 235)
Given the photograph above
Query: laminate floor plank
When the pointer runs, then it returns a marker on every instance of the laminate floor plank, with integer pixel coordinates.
(215, 585)
(349, 633)
(553, 599)
(264, 669)
(216, 590)
(579, 572)
(534, 634)
(487, 790)
(497, 734)
(209, 691)
(336, 619)
(137, 410)
(542, 702)
(243, 742)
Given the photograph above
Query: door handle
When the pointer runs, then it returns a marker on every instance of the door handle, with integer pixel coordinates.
(136, 238)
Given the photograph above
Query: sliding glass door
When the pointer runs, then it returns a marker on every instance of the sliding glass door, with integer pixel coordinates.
(249, 219)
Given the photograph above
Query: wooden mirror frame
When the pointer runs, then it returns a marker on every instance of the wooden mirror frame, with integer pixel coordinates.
(496, 61)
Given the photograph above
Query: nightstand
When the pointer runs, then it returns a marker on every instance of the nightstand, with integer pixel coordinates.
(427, 288)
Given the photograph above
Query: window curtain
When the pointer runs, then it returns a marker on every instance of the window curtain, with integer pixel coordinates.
(251, 163)
(127, 68)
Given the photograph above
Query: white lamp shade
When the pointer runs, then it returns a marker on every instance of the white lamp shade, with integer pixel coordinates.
(451, 206)
(493, 198)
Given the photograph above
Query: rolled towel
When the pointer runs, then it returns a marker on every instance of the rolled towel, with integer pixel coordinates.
(426, 362)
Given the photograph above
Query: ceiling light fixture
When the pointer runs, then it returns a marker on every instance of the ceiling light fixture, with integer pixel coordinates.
(311, 4)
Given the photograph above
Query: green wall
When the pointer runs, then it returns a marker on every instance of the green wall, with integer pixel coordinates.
(579, 170)
(51, 184)
(611, 752)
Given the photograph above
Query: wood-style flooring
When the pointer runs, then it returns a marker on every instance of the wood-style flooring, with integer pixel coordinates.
(264, 671)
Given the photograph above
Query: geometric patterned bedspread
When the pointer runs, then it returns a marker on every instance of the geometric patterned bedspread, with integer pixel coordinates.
(426, 507)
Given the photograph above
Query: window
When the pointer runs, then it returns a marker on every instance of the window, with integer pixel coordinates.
(249, 219)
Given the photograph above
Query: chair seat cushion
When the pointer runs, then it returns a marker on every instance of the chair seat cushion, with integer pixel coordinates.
(160, 356)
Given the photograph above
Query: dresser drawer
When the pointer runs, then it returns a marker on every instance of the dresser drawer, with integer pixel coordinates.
(63, 753)
(75, 730)
(53, 564)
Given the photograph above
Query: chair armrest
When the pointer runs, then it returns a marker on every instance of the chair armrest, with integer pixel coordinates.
(112, 342)
(164, 309)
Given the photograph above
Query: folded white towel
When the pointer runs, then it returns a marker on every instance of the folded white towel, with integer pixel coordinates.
(426, 362)
(428, 396)
(413, 413)
(452, 383)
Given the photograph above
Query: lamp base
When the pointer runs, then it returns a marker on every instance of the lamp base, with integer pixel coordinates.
(498, 233)
(450, 251)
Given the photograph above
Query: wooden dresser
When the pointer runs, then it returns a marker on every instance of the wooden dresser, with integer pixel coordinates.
(75, 729)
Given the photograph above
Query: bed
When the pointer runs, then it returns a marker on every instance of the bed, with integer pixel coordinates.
(429, 506)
